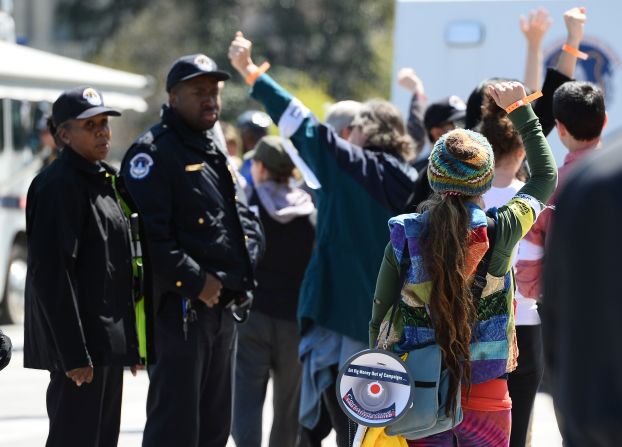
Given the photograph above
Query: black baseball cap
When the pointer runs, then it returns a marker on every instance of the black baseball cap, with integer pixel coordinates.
(447, 110)
(193, 65)
(79, 103)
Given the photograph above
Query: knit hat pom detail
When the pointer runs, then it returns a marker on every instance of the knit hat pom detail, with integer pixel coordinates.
(461, 163)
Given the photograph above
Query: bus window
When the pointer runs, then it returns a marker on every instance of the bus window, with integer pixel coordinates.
(1, 125)
(24, 134)
(25, 122)
(40, 113)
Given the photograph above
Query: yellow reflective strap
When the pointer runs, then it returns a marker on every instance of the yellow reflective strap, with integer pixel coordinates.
(137, 268)
(124, 206)
(137, 272)
(141, 329)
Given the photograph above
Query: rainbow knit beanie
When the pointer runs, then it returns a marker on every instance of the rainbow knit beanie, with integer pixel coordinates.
(461, 163)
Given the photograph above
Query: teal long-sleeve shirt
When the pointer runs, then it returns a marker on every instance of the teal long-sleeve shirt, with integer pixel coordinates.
(361, 189)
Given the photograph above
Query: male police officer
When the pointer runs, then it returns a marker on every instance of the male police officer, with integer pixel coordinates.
(205, 243)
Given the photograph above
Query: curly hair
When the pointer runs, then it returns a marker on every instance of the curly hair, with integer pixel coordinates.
(382, 126)
(474, 103)
(444, 244)
(498, 129)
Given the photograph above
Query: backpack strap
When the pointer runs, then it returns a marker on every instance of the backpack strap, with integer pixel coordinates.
(404, 266)
(479, 281)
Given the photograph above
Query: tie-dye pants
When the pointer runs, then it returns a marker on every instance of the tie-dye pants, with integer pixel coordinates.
(478, 429)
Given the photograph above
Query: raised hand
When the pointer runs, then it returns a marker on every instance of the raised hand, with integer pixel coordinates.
(407, 78)
(506, 93)
(240, 54)
(575, 23)
(535, 26)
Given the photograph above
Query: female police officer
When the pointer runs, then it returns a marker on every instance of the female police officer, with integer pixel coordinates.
(79, 293)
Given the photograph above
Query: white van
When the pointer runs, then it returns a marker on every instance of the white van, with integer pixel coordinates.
(455, 44)
(30, 80)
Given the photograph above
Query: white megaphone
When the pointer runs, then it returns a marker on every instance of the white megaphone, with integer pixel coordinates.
(374, 388)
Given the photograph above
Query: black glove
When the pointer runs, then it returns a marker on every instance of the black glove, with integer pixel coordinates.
(5, 350)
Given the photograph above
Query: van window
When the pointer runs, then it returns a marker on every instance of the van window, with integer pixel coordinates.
(25, 136)
(19, 119)
(1, 125)
(464, 33)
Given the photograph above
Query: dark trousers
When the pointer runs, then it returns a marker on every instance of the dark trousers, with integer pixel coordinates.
(267, 347)
(189, 399)
(331, 417)
(523, 382)
(85, 416)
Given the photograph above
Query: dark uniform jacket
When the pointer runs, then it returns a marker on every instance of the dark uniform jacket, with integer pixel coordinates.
(79, 303)
(581, 304)
(196, 216)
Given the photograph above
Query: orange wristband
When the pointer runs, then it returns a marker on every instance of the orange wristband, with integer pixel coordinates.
(252, 77)
(575, 52)
(523, 102)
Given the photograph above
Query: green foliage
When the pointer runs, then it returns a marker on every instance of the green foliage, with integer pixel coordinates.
(382, 46)
(91, 22)
(330, 40)
(313, 94)
(319, 49)
(343, 45)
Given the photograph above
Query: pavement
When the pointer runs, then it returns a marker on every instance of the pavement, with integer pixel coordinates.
(24, 423)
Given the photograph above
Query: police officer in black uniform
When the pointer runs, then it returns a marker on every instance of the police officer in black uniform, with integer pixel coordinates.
(80, 321)
(204, 244)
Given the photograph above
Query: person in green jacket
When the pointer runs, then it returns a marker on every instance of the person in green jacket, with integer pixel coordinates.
(364, 181)
(445, 245)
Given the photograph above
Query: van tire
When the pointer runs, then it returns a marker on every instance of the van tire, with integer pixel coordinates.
(12, 306)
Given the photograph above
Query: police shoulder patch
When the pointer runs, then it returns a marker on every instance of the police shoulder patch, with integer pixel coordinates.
(140, 165)
(146, 138)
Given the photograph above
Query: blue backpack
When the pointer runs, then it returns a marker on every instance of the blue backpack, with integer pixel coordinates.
(428, 415)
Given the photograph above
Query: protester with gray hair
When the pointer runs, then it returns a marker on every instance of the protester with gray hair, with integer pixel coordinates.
(339, 116)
